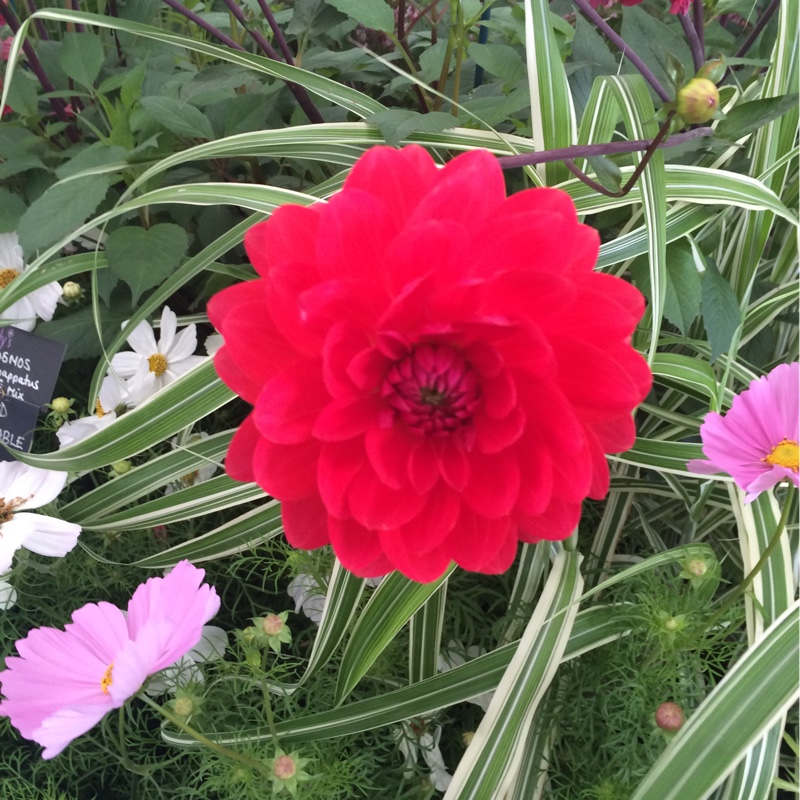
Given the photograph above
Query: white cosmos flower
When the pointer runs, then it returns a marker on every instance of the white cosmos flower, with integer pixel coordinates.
(40, 302)
(22, 488)
(8, 594)
(412, 744)
(310, 598)
(111, 399)
(213, 343)
(153, 365)
(201, 474)
(454, 655)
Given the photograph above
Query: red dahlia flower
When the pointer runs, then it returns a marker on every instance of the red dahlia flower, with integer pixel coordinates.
(436, 369)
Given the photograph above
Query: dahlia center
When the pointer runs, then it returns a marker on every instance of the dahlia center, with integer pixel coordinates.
(785, 454)
(157, 364)
(6, 276)
(433, 390)
(106, 680)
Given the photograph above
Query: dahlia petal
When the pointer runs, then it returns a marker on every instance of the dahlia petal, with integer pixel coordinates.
(355, 546)
(557, 522)
(343, 343)
(283, 288)
(615, 435)
(454, 465)
(572, 478)
(233, 377)
(403, 177)
(499, 394)
(339, 462)
(536, 476)
(424, 467)
(286, 471)
(601, 477)
(406, 560)
(493, 486)
(239, 461)
(390, 451)
(344, 420)
(523, 294)
(290, 403)
(476, 540)
(288, 236)
(494, 435)
(375, 569)
(428, 529)
(377, 507)
(305, 523)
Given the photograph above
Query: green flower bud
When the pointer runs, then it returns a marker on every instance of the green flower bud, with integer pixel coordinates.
(121, 467)
(697, 567)
(71, 290)
(698, 101)
(272, 625)
(61, 405)
(183, 706)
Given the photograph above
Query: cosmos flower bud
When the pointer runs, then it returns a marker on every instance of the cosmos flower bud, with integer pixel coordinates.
(697, 567)
(183, 706)
(272, 625)
(61, 405)
(697, 102)
(670, 717)
(72, 290)
(121, 467)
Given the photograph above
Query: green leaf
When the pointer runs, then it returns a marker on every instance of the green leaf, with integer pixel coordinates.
(370, 13)
(131, 89)
(720, 309)
(592, 58)
(144, 258)
(748, 117)
(81, 57)
(396, 124)
(499, 59)
(12, 207)
(23, 95)
(96, 156)
(60, 210)
(180, 118)
(78, 331)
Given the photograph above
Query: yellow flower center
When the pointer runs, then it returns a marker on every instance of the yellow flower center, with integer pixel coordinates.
(190, 478)
(785, 454)
(106, 680)
(98, 408)
(7, 508)
(158, 364)
(6, 276)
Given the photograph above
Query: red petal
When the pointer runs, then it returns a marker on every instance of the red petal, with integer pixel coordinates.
(389, 451)
(355, 546)
(343, 343)
(615, 435)
(421, 568)
(233, 377)
(494, 435)
(499, 394)
(536, 476)
(305, 523)
(290, 403)
(338, 464)
(430, 527)
(289, 235)
(377, 507)
(287, 472)
(477, 541)
(424, 466)
(454, 465)
(493, 485)
(556, 523)
(239, 461)
(344, 420)
(600, 474)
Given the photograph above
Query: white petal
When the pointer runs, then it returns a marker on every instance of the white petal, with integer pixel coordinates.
(142, 386)
(79, 429)
(10, 252)
(142, 340)
(12, 536)
(21, 314)
(124, 365)
(36, 486)
(212, 645)
(8, 596)
(112, 393)
(184, 344)
(45, 299)
(213, 343)
(50, 536)
(178, 368)
(169, 324)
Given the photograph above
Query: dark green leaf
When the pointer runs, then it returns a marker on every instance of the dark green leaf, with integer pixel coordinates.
(396, 124)
(607, 172)
(748, 117)
(373, 14)
(143, 258)
(61, 209)
(22, 96)
(78, 332)
(81, 57)
(98, 154)
(180, 118)
(131, 89)
(499, 59)
(682, 297)
(12, 208)
(720, 309)
(592, 57)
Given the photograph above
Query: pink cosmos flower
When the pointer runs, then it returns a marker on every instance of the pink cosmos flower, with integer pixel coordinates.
(64, 682)
(756, 441)
(436, 369)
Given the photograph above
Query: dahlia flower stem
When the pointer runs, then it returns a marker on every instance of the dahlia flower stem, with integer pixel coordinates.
(402, 48)
(277, 32)
(609, 149)
(760, 25)
(750, 577)
(459, 58)
(699, 14)
(648, 154)
(693, 39)
(617, 40)
(205, 741)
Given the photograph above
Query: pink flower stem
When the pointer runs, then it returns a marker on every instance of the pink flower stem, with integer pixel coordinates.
(609, 149)
(750, 577)
(625, 49)
(205, 741)
(10, 18)
(694, 41)
(300, 94)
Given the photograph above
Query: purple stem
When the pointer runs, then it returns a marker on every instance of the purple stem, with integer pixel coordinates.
(300, 94)
(617, 40)
(277, 32)
(700, 24)
(40, 28)
(76, 6)
(589, 150)
(694, 43)
(60, 108)
(237, 12)
(764, 19)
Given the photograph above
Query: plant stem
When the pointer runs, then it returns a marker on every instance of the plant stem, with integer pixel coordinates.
(198, 737)
(698, 56)
(763, 20)
(698, 11)
(459, 58)
(277, 32)
(40, 29)
(589, 150)
(616, 39)
(750, 577)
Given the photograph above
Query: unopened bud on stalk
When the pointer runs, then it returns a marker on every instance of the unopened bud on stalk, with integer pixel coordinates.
(670, 717)
(697, 102)
(61, 405)
(71, 290)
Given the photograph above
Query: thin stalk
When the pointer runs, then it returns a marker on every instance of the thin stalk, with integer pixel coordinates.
(750, 577)
(459, 58)
(268, 712)
(698, 10)
(589, 150)
(402, 48)
(198, 737)
(277, 32)
(689, 30)
(617, 40)
(754, 34)
(442, 82)
(40, 28)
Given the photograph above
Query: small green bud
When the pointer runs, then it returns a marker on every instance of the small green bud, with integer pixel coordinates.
(697, 567)
(670, 717)
(272, 625)
(253, 658)
(284, 768)
(121, 467)
(71, 290)
(698, 101)
(671, 624)
(183, 706)
(61, 405)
